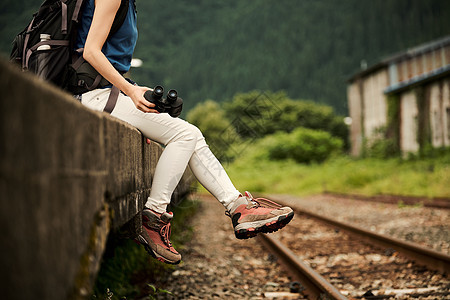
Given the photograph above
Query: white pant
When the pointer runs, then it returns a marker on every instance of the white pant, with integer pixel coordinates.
(184, 144)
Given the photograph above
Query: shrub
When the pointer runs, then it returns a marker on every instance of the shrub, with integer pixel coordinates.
(380, 145)
(303, 145)
(216, 128)
(266, 113)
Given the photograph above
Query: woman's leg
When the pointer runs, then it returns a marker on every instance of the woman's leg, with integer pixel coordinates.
(184, 144)
(211, 174)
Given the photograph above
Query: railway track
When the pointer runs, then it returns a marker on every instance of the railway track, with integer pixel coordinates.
(437, 202)
(332, 260)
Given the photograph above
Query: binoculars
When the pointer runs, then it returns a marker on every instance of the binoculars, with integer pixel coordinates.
(171, 104)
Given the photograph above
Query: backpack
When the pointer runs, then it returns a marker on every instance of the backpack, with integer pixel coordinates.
(45, 46)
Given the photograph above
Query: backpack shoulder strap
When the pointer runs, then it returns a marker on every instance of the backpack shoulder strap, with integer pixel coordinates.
(120, 17)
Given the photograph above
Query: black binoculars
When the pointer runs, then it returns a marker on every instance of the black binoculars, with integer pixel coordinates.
(172, 104)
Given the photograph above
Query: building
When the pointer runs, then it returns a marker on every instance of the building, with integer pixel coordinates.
(406, 97)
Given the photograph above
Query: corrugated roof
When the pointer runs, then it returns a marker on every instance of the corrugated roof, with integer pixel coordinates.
(420, 79)
(423, 48)
(410, 52)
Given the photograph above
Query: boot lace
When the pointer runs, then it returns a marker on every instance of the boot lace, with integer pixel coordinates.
(263, 202)
(165, 234)
(257, 202)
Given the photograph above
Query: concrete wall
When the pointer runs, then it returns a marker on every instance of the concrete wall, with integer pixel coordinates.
(435, 115)
(409, 122)
(375, 106)
(446, 111)
(439, 113)
(367, 107)
(355, 108)
(67, 176)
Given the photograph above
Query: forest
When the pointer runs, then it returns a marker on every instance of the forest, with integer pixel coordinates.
(306, 48)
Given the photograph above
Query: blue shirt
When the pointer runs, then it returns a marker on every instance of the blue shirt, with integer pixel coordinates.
(119, 47)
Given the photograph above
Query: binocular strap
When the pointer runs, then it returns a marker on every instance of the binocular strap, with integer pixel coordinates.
(112, 99)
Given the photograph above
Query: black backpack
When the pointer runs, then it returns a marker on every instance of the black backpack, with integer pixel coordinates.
(45, 46)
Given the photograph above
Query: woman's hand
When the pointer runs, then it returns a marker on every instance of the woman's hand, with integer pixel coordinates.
(136, 93)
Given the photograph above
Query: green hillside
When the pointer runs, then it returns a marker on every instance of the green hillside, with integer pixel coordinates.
(214, 49)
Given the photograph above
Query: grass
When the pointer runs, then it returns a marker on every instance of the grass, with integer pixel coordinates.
(427, 177)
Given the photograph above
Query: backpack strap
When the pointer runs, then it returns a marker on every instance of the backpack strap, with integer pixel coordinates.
(121, 14)
(34, 48)
(112, 99)
(25, 43)
(77, 58)
(96, 82)
(64, 17)
(88, 78)
(76, 11)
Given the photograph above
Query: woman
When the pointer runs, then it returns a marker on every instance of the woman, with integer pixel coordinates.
(184, 143)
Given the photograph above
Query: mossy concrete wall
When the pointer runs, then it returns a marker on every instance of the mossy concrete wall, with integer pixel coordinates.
(68, 175)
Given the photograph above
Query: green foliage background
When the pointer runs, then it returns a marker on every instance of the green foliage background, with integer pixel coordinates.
(303, 145)
(308, 48)
(289, 129)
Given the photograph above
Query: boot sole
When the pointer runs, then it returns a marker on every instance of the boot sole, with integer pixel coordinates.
(269, 227)
(155, 255)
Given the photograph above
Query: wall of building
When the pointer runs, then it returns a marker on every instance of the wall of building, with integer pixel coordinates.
(408, 122)
(367, 107)
(375, 105)
(439, 112)
(355, 110)
(423, 68)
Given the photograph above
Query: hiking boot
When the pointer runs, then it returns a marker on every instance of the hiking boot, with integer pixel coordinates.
(251, 216)
(155, 236)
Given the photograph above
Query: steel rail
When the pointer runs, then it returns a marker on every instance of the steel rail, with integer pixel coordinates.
(425, 256)
(315, 286)
(436, 202)
(430, 258)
